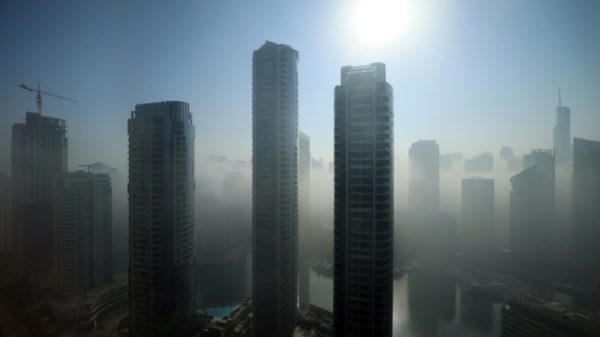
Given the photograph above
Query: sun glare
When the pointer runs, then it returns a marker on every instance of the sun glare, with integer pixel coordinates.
(379, 22)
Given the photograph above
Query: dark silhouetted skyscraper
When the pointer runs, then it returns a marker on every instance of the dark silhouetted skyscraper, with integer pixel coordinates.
(161, 219)
(364, 201)
(532, 206)
(39, 157)
(82, 224)
(562, 134)
(424, 184)
(275, 190)
(586, 201)
(477, 216)
(7, 235)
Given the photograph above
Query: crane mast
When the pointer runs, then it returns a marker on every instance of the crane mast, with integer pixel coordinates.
(38, 96)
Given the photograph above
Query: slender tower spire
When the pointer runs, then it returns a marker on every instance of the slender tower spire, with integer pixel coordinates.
(559, 99)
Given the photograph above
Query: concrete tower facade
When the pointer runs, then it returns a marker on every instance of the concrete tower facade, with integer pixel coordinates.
(562, 134)
(39, 157)
(274, 190)
(83, 232)
(364, 201)
(424, 184)
(161, 219)
(477, 216)
(7, 236)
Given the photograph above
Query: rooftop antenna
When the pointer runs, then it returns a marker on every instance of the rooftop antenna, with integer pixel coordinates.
(559, 99)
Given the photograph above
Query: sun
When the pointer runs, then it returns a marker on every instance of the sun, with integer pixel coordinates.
(378, 22)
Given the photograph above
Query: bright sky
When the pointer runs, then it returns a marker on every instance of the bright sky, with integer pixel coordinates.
(474, 75)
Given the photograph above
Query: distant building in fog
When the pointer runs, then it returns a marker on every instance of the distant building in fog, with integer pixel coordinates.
(304, 161)
(586, 201)
(447, 160)
(274, 190)
(562, 134)
(514, 164)
(529, 316)
(237, 203)
(424, 183)
(532, 206)
(507, 153)
(6, 223)
(317, 165)
(483, 162)
(39, 157)
(477, 216)
(82, 224)
(161, 220)
(364, 201)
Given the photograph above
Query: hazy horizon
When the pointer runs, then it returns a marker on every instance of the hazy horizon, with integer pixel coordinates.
(474, 77)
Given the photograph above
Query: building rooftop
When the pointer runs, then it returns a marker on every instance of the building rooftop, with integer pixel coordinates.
(589, 322)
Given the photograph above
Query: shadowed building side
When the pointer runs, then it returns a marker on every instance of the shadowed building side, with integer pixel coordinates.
(161, 220)
(39, 157)
(586, 201)
(363, 208)
(82, 223)
(274, 190)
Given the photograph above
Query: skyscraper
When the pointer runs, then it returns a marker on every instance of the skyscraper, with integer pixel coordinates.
(562, 134)
(161, 219)
(424, 184)
(304, 161)
(364, 199)
(39, 157)
(6, 223)
(274, 190)
(477, 216)
(586, 198)
(532, 206)
(82, 222)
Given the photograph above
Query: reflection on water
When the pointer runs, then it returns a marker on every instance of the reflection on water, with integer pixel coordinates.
(427, 304)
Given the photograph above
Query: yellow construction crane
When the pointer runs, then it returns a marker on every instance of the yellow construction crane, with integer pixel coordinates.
(38, 97)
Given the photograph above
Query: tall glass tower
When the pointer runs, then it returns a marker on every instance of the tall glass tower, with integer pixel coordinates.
(161, 219)
(364, 201)
(562, 134)
(274, 190)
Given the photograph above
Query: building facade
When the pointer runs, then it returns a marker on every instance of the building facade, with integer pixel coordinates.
(39, 157)
(586, 198)
(274, 190)
(424, 183)
(364, 199)
(532, 206)
(161, 219)
(562, 134)
(477, 216)
(7, 236)
(83, 232)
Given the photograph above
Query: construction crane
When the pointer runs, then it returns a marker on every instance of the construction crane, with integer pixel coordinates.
(38, 98)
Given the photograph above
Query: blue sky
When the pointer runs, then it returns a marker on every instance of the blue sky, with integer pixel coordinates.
(474, 75)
